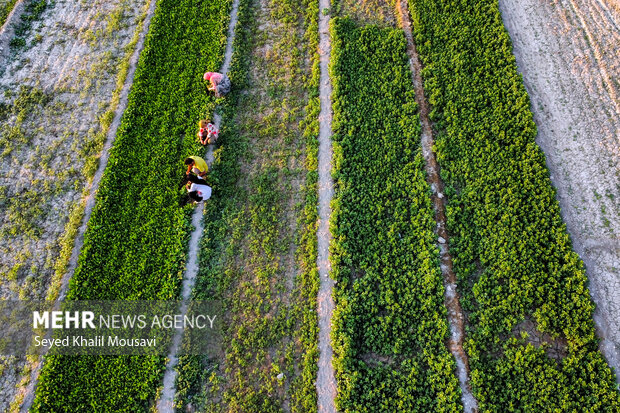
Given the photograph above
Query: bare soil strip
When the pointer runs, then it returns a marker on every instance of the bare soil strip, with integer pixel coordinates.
(166, 401)
(326, 382)
(567, 52)
(455, 313)
(29, 391)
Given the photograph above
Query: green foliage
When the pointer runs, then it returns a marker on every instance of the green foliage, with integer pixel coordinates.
(248, 238)
(390, 321)
(135, 244)
(512, 254)
(13, 135)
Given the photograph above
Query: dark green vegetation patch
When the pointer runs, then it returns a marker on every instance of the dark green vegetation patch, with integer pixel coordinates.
(135, 244)
(390, 322)
(517, 272)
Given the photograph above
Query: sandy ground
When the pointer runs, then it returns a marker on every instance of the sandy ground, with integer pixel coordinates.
(165, 403)
(70, 65)
(326, 381)
(7, 26)
(567, 51)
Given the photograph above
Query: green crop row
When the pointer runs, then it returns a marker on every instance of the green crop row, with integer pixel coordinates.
(512, 254)
(390, 322)
(135, 244)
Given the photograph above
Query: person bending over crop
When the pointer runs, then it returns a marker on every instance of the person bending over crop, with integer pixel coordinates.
(220, 83)
(197, 190)
(197, 165)
(208, 133)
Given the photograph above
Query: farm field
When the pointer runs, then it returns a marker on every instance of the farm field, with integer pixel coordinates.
(567, 53)
(521, 283)
(259, 247)
(59, 89)
(384, 232)
(134, 247)
(390, 320)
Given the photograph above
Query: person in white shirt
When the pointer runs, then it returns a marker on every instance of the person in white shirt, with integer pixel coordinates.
(197, 189)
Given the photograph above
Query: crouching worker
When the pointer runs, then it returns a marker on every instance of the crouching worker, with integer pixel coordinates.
(220, 83)
(207, 135)
(197, 190)
(196, 165)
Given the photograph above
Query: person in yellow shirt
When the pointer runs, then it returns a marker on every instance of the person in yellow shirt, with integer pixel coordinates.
(197, 165)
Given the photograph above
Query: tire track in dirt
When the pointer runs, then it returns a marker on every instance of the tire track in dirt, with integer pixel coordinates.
(596, 50)
(29, 391)
(166, 401)
(455, 313)
(326, 381)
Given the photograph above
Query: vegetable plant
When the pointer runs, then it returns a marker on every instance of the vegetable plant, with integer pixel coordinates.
(135, 243)
(512, 254)
(390, 324)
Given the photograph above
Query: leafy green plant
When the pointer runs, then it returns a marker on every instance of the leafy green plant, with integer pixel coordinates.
(135, 244)
(512, 254)
(390, 324)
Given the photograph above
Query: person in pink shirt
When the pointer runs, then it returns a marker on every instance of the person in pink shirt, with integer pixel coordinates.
(220, 83)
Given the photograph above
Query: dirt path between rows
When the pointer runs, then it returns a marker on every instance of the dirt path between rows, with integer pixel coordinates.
(326, 381)
(455, 313)
(567, 52)
(166, 400)
(29, 391)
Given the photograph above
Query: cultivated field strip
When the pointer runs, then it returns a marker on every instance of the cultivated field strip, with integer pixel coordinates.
(578, 128)
(135, 243)
(531, 341)
(53, 124)
(258, 251)
(165, 403)
(59, 292)
(389, 325)
(452, 299)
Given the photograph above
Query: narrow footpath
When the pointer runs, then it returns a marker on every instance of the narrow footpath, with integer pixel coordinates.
(326, 381)
(166, 401)
(29, 391)
(455, 313)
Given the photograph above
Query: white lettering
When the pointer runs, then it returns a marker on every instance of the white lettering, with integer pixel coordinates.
(38, 319)
(56, 319)
(75, 319)
(87, 319)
